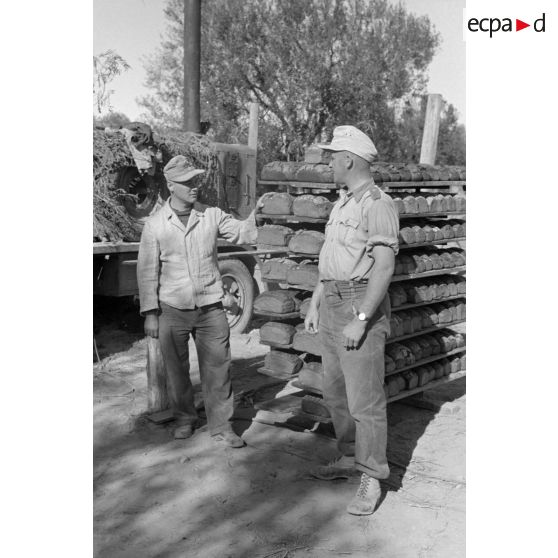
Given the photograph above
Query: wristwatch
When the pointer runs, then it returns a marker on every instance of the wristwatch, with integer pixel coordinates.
(362, 317)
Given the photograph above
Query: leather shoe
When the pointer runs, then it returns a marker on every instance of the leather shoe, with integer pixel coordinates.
(367, 496)
(183, 432)
(228, 438)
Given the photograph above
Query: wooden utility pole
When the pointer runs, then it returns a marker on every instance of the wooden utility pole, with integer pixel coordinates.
(253, 126)
(192, 53)
(431, 128)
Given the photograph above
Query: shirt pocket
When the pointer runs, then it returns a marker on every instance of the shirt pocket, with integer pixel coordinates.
(348, 228)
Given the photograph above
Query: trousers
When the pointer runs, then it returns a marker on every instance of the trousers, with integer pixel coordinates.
(353, 379)
(210, 330)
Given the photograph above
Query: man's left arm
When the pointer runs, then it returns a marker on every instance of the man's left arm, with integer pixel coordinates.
(239, 231)
(382, 247)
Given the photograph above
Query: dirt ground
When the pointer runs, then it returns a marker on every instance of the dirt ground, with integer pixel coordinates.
(158, 497)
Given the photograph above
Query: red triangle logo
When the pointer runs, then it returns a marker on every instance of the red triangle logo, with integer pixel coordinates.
(519, 25)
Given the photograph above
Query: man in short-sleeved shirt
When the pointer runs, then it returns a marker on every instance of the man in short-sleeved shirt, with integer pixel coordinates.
(181, 294)
(350, 310)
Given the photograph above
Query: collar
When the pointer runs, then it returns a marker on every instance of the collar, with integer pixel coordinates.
(197, 209)
(357, 194)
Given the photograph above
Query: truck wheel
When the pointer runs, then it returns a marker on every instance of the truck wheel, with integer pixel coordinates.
(149, 192)
(239, 285)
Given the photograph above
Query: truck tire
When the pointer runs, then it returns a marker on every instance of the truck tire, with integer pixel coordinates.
(150, 192)
(238, 282)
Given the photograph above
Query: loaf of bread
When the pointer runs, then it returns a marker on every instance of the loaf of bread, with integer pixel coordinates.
(425, 347)
(399, 204)
(396, 326)
(414, 347)
(273, 171)
(306, 342)
(416, 320)
(400, 354)
(438, 370)
(463, 362)
(389, 364)
(459, 340)
(278, 302)
(397, 295)
(423, 376)
(431, 372)
(458, 258)
(455, 364)
(411, 379)
(420, 235)
(308, 172)
(446, 340)
(411, 205)
(428, 316)
(307, 242)
(436, 260)
(422, 204)
(275, 269)
(460, 308)
(460, 203)
(438, 234)
(407, 235)
(305, 273)
(447, 366)
(434, 205)
(452, 287)
(427, 262)
(274, 235)
(285, 364)
(393, 386)
(444, 314)
(436, 349)
(308, 205)
(448, 260)
(277, 333)
(399, 268)
(428, 231)
(447, 230)
(461, 283)
(407, 322)
(277, 203)
(454, 173)
(408, 263)
(450, 203)
(458, 229)
(444, 173)
(419, 263)
(442, 202)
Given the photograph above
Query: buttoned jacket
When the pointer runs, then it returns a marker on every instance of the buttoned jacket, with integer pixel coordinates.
(177, 264)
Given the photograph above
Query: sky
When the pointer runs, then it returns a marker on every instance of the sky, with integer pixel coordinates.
(133, 28)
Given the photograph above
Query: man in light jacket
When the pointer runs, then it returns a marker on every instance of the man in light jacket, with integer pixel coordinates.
(181, 293)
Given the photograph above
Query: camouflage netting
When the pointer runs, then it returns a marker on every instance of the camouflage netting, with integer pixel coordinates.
(111, 154)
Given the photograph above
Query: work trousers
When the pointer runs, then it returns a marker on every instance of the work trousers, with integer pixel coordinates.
(210, 330)
(354, 378)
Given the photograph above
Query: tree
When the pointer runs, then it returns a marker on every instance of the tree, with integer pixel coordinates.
(111, 119)
(106, 66)
(311, 64)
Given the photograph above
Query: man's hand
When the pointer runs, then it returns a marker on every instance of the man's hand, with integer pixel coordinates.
(312, 319)
(151, 325)
(353, 333)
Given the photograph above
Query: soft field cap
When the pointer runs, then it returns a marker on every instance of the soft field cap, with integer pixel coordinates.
(349, 138)
(178, 170)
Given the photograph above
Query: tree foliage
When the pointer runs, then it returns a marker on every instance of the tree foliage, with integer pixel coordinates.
(106, 66)
(310, 64)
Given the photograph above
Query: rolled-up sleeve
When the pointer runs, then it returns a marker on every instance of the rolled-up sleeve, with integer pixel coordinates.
(236, 231)
(383, 225)
(148, 270)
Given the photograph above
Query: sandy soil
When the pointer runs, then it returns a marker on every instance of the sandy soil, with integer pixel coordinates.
(156, 497)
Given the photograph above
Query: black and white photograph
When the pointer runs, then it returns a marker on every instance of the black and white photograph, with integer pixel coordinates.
(279, 279)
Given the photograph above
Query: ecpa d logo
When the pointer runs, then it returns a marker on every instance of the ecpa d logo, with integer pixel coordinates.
(492, 25)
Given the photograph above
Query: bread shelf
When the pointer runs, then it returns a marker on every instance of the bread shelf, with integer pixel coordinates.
(433, 273)
(289, 218)
(401, 395)
(425, 303)
(431, 243)
(426, 331)
(389, 184)
(427, 360)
